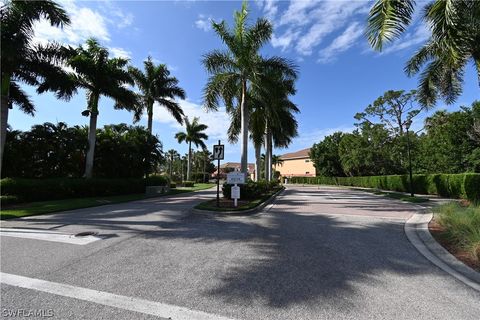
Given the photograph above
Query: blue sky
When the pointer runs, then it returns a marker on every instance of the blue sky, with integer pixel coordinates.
(339, 74)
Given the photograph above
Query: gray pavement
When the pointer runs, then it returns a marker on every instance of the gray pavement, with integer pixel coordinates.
(318, 253)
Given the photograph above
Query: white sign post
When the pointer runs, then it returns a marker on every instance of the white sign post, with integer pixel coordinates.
(235, 194)
(235, 178)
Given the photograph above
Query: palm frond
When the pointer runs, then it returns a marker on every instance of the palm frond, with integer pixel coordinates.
(387, 20)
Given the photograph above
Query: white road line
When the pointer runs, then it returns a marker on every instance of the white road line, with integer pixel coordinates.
(108, 299)
(47, 235)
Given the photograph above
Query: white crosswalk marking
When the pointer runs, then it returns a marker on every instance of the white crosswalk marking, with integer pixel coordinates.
(108, 299)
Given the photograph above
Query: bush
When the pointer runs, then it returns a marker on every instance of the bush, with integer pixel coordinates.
(157, 180)
(465, 185)
(251, 190)
(5, 200)
(173, 185)
(200, 177)
(462, 226)
(188, 184)
(27, 190)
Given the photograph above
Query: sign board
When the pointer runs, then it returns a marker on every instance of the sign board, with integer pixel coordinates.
(236, 178)
(235, 192)
(218, 151)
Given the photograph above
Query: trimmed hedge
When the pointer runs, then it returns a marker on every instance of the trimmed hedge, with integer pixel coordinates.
(188, 184)
(27, 190)
(157, 180)
(251, 190)
(464, 185)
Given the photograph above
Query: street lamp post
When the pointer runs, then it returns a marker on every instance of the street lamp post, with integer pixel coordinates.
(407, 126)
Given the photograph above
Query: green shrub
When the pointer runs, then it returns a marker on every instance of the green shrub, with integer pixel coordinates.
(200, 177)
(251, 190)
(465, 185)
(157, 180)
(5, 200)
(173, 185)
(27, 190)
(189, 184)
(462, 226)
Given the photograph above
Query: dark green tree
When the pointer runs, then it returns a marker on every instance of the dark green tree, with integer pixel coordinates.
(325, 156)
(23, 62)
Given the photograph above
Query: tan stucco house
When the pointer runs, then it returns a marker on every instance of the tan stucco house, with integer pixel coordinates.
(297, 164)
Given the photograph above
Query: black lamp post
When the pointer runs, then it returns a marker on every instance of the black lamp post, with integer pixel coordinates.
(407, 126)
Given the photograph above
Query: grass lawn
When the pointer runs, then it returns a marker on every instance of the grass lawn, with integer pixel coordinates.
(457, 227)
(42, 207)
(226, 205)
(403, 197)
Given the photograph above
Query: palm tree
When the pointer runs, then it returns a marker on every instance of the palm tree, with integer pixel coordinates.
(276, 160)
(271, 116)
(156, 85)
(171, 156)
(25, 62)
(234, 71)
(100, 75)
(193, 134)
(454, 42)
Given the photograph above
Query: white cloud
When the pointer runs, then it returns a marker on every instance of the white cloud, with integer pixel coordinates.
(217, 121)
(86, 22)
(305, 24)
(342, 43)
(270, 9)
(204, 23)
(120, 53)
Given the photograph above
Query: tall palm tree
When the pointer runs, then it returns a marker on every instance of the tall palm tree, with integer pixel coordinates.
(156, 85)
(100, 75)
(234, 71)
(25, 62)
(454, 42)
(172, 155)
(193, 134)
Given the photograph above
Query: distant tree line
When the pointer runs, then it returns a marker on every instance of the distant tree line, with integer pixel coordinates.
(56, 150)
(449, 142)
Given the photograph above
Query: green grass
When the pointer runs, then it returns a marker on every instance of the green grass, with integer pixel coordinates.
(211, 205)
(462, 226)
(43, 207)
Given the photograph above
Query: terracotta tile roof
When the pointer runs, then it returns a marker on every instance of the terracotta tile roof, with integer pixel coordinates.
(236, 165)
(296, 155)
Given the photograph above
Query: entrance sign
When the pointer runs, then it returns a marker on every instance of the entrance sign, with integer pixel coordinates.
(235, 192)
(235, 178)
(218, 151)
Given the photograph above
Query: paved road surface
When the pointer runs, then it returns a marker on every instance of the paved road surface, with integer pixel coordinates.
(318, 253)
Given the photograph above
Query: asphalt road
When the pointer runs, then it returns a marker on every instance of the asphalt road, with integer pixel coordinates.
(317, 253)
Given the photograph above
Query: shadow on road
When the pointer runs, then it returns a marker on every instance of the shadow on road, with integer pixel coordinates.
(294, 257)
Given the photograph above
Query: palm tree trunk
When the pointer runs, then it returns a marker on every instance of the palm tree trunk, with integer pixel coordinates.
(4, 123)
(150, 118)
(258, 161)
(189, 160)
(92, 136)
(269, 158)
(244, 130)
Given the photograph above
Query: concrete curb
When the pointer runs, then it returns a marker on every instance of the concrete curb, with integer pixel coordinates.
(248, 212)
(416, 229)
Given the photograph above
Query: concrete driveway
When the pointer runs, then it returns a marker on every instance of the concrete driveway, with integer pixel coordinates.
(317, 253)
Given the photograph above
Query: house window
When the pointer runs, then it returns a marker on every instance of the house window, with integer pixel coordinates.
(308, 172)
(308, 160)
